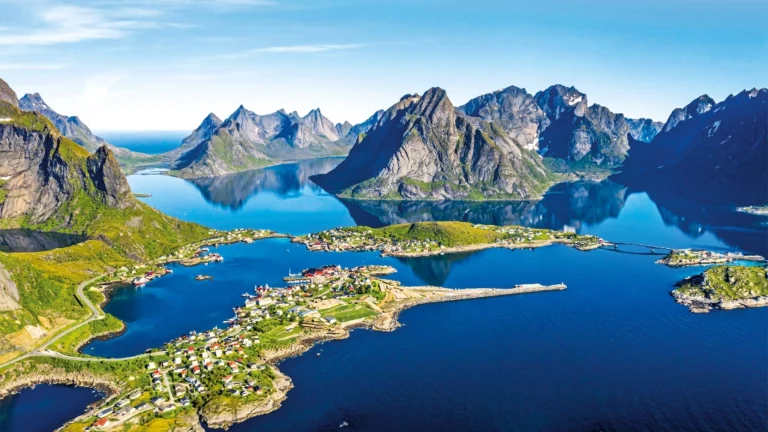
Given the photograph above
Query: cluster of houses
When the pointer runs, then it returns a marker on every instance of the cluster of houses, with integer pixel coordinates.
(120, 411)
(341, 239)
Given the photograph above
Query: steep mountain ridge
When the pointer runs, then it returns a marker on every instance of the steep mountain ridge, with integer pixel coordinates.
(73, 128)
(718, 151)
(558, 122)
(424, 148)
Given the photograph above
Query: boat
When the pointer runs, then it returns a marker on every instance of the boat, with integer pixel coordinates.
(343, 424)
(139, 281)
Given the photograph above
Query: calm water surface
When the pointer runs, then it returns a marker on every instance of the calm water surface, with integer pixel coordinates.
(612, 352)
(44, 408)
(146, 142)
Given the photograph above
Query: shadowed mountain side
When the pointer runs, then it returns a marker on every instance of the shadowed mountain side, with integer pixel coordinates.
(22, 240)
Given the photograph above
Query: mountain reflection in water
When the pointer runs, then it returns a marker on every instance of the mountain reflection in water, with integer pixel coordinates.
(567, 205)
(233, 191)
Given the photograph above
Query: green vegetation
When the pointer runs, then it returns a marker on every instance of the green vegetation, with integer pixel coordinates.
(448, 234)
(723, 283)
(116, 236)
(70, 343)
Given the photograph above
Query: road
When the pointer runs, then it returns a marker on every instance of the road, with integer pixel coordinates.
(95, 315)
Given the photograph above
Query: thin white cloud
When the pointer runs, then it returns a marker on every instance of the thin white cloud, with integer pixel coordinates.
(306, 48)
(70, 24)
(290, 49)
(26, 66)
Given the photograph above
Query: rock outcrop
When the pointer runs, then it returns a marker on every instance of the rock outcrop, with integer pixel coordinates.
(423, 148)
(218, 416)
(9, 293)
(43, 170)
(7, 94)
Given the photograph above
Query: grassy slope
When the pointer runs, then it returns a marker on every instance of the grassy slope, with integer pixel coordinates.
(449, 234)
(729, 283)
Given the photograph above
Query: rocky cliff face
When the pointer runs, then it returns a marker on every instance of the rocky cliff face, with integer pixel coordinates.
(423, 148)
(74, 128)
(42, 170)
(9, 293)
(718, 151)
(514, 110)
(559, 122)
(644, 130)
(700, 105)
(7, 94)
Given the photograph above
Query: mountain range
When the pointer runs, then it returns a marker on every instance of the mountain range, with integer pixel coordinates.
(246, 140)
(424, 148)
(508, 144)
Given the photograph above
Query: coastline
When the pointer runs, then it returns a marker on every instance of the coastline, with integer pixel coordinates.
(386, 321)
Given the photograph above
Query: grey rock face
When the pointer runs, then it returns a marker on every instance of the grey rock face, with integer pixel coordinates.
(9, 293)
(202, 133)
(643, 129)
(111, 184)
(559, 122)
(7, 94)
(514, 110)
(699, 106)
(39, 179)
(423, 148)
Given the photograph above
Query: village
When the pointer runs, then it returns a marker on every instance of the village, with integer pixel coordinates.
(369, 239)
(190, 255)
(234, 365)
(194, 368)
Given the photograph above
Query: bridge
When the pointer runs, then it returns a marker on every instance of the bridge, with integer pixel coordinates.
(615, 246)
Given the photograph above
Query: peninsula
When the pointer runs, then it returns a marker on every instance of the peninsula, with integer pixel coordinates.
(225, 376)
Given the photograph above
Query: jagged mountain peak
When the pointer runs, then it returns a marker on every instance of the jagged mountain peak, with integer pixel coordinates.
(698, 106)
(558, 98)
(422, 147)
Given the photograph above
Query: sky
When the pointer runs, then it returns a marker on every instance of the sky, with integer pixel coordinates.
(123, 65)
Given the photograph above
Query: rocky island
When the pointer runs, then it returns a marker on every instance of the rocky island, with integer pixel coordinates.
(724, 287)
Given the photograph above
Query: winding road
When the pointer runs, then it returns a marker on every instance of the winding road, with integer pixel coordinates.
(42, 350)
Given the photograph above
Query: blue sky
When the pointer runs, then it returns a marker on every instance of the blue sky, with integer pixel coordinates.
(164, 64)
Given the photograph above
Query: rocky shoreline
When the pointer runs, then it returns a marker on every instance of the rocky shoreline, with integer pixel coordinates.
(699, 304)
(50, 375)
(225, 419)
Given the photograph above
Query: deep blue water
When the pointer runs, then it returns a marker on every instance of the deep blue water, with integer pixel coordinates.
(151, 142)
(612, 352)
(44, 408)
